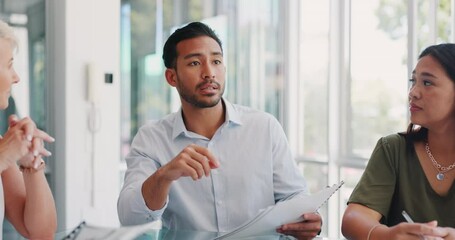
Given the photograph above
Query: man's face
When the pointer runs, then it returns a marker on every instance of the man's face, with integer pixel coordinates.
(199, 75)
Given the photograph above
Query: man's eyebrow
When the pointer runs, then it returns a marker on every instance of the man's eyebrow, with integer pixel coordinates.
(217, 53)
(192, 55)
(200, 54)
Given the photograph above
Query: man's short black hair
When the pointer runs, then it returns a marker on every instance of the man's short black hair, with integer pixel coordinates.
(192, 30)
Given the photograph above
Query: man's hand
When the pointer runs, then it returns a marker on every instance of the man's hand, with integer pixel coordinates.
(307, 229)
(193, 161)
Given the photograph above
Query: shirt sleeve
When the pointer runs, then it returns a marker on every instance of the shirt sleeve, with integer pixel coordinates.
(131, 206)
(287, 177)
(376, 187)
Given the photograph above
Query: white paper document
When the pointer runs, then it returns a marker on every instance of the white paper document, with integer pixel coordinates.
(90, 232)
(284, 212)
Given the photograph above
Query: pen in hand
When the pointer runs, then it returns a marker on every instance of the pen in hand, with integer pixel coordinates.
(409, 220)
(407, 217)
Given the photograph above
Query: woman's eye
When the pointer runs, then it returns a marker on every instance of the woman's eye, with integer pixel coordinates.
(427, 83)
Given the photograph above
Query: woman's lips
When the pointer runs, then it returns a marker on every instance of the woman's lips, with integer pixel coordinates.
(414, 107)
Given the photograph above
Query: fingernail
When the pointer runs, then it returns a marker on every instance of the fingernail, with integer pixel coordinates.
(52, 139)
(29, 138)
(36, 164)
(49, 153)
(35, 153)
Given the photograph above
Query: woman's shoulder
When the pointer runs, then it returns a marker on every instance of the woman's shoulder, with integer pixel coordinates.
(396, 139)
(392, 146)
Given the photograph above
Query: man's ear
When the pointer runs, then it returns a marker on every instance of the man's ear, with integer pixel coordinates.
(171, 76)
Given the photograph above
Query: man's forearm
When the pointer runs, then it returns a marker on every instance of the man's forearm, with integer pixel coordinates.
(155, 191)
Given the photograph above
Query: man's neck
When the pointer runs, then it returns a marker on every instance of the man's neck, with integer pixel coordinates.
(204, 121)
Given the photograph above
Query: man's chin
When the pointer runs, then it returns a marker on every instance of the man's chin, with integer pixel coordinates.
(208, 103)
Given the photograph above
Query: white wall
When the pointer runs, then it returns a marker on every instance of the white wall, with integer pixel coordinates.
(81, 32)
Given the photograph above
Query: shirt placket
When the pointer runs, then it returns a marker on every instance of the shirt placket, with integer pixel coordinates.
(218, 189)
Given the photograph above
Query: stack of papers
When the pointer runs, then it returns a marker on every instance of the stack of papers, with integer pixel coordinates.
(284, 212)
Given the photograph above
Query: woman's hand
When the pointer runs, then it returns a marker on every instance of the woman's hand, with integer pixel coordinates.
(361, 222)
(450, 233)
(33, 158)
(427, 230)
(24, 141)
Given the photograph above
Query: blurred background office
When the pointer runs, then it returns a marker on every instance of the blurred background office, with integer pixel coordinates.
(334, 72)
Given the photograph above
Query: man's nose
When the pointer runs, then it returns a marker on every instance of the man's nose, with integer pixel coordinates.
(208, 72)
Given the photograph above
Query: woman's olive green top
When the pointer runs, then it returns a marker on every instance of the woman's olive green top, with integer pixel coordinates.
(394, 181)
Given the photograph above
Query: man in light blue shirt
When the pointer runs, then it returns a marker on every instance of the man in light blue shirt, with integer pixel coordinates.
(212, 165)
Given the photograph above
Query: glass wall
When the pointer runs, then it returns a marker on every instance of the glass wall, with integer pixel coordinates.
(378, 74)
(313, 82)
(349, 84)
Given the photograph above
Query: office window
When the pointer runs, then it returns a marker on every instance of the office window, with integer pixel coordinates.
(434, 22)
(379, 77)
(311, 101)
(313, 82)
(444, 21)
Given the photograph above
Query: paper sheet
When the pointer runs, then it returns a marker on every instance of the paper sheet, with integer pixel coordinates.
(288, 211)
(89, 232)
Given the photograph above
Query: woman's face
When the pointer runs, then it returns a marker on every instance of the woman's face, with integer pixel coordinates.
(8, 75)
(432, 95)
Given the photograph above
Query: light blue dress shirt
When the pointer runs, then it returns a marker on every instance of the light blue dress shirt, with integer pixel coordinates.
(256, 170)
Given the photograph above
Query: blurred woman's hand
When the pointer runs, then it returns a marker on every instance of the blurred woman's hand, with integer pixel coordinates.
(23, 142)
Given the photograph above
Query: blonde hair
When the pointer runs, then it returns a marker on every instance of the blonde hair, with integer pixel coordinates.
(7, 33)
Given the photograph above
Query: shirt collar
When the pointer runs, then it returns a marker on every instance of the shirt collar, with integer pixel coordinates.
(232, 116)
